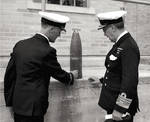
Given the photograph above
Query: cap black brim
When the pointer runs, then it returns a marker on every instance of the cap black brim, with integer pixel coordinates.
(101, 27)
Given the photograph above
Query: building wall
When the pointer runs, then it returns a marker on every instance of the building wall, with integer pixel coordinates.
(138, 23)
(18, 22)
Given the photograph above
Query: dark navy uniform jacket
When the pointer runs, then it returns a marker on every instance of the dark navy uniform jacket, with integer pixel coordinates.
(32, 63)
(119, 89)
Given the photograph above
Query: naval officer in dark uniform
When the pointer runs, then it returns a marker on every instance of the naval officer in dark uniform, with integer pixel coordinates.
(32, 63)
(119, 95)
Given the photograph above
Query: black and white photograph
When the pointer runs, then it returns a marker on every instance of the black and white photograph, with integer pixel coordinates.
(74, 60)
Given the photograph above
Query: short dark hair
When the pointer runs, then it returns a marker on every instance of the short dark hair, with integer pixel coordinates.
(44, 23)
(119, 25)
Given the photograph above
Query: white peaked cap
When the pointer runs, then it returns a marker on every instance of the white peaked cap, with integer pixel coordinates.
(110, 18)
(111, 15)
(54, 17)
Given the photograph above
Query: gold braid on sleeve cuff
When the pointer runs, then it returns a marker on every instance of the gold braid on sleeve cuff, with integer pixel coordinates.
(123, 101)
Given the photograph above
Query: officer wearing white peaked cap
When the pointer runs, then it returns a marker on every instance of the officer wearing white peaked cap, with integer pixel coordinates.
(33, 62)
(119, 95)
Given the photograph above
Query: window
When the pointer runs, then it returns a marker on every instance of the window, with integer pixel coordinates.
(77, 3)
(71, 6)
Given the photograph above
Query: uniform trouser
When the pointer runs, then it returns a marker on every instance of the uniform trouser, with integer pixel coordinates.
(21, 118)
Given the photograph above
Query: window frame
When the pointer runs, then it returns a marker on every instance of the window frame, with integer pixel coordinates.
(74, 1)
(61, 8)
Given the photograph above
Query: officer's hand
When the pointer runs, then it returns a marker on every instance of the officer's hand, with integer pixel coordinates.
(75, 74)
(117, 115)
(94, 80)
